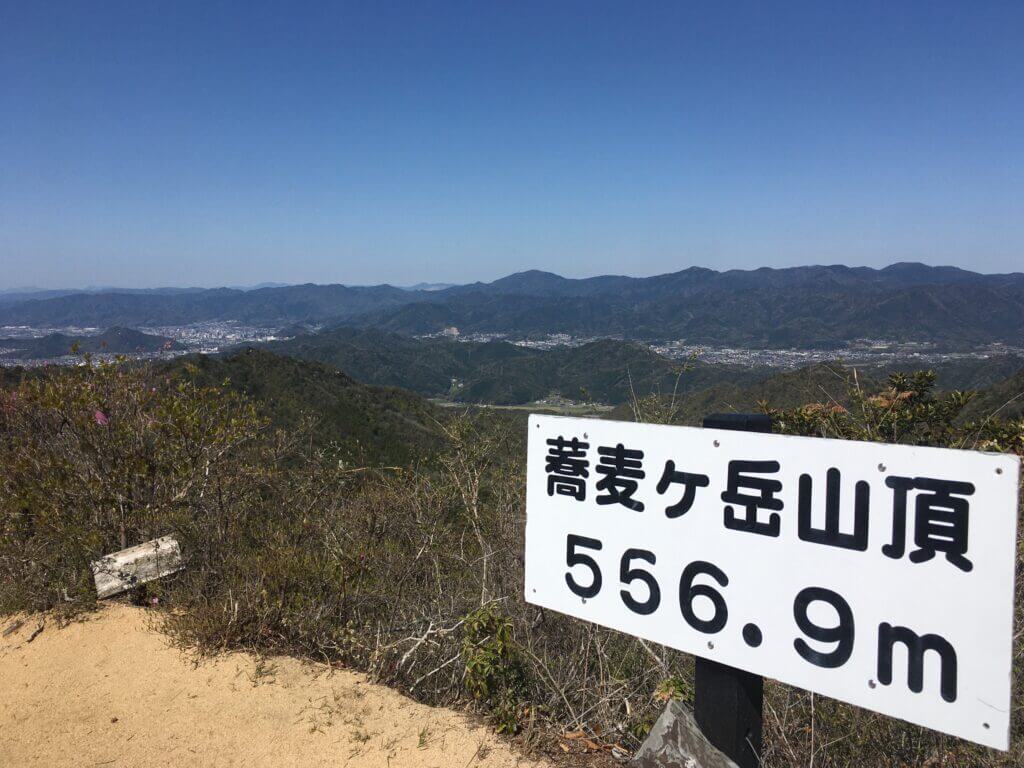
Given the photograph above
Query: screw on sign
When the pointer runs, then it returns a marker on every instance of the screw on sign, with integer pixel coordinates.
(880, 575)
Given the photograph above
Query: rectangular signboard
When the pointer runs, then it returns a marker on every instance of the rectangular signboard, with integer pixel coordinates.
(880, 575)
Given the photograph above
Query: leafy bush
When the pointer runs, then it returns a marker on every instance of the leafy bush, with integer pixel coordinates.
(494, 667)
(103, 457)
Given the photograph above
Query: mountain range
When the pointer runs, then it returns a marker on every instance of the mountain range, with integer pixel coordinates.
(816, 306)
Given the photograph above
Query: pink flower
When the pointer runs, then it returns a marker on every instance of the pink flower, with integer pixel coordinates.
(101, 418)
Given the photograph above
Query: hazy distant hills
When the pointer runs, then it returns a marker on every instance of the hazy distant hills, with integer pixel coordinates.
(428, 286)
(807, 306)
(113, 340)
(263, 306)
(19, 295)
(800, 306)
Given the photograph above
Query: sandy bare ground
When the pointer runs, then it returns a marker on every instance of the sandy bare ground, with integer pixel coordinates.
(111, 692)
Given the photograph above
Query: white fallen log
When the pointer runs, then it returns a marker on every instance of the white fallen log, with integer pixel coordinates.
(120, 571)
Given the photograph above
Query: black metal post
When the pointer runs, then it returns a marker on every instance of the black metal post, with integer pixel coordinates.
(728, 702)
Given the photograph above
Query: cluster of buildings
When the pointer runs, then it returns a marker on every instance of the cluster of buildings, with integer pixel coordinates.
(213, 336)
(860, 351)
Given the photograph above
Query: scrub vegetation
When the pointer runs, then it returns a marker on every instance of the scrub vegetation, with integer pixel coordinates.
(398, 555)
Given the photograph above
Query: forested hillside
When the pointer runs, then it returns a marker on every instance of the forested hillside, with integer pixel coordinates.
(825, 382)
(497, 372)
(372, 425)
(1004, 399)
(831, 384)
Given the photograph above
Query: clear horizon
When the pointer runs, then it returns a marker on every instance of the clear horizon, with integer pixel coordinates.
(213, 144)
(273, 284)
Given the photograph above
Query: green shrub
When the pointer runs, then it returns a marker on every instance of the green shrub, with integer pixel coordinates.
(495, 675)
(103, 457)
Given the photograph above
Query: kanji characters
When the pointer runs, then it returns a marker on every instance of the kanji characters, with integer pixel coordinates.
(830, 534)
(566, 465)
(941, 515)
(765, 498)
(621, 468)
(753, 499)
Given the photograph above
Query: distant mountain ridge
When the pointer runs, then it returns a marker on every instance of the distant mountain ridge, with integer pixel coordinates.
(802, 306)
(901, 274)
(797, 306)
(18, 295)
(260, 306)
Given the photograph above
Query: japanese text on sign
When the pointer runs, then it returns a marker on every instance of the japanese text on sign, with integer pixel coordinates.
(881, 575)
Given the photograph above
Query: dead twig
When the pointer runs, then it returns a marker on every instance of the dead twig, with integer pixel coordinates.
(14, 627)
(36, 632)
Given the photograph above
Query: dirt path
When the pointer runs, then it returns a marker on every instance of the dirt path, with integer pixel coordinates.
(111, 692)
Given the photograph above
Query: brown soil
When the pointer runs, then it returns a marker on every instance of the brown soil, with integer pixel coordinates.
(110, 691)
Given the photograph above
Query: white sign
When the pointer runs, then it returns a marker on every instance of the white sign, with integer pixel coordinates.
(880, 575)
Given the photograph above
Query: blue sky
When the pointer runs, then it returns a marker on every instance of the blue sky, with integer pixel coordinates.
(211, 143)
